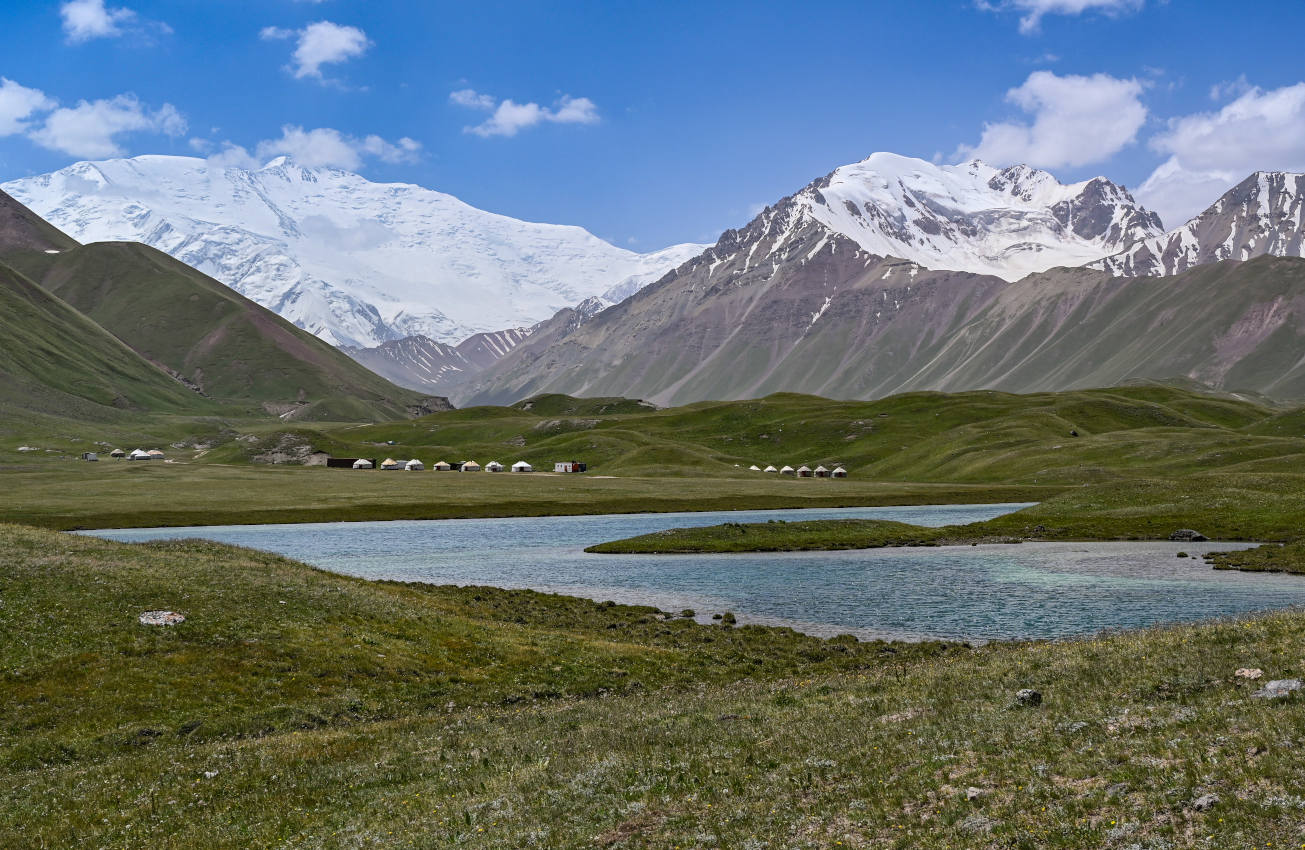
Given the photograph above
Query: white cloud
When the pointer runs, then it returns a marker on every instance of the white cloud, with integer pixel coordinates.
(232, 156)
(320, 43)
(1209, 152)
(320, 147)
(471, 99)
(404, 150)
(1033, 11)
(90, 128)
(84, 20)
(1076, 121)
(17, 104)
(1230, 88)
(510, 117)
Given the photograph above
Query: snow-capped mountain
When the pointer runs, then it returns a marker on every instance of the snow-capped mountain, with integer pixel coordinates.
(1261, 215)
(421, 363)
(969, 217)
(355, 262)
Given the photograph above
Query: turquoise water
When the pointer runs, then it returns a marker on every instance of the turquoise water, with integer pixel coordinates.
(1030, 590)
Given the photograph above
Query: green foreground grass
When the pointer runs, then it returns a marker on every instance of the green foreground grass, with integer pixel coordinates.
(296, 708)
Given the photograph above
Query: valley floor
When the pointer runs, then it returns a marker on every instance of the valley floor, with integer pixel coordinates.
(299, 708)
(113, 494)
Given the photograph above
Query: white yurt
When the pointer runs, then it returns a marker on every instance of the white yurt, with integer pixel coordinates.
(493, 466)
(363, 463)
(839, 472)
(754, 468)
(390, 463)
(155, 454)
(821, 472)
(442, 466)
(804, 472)
(119, 453)
(414, 465)
(137, 454)
(522, 466)
(770, 469)
(470, 466)
(787, 470)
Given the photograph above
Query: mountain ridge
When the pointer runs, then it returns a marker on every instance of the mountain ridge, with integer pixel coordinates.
(355, 262)
(789, 304)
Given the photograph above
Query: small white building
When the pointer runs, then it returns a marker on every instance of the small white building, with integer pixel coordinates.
(117, 453)
(570, 466)
(493, 466)
(155, 454)
(138, 454)
(821, 472)
(470, 466)
(363, 463)
(839, 472)
(391, 464)
(414, 465)
(804, 472)
(787, 470)
(522, 466)
(770, 469)
(442, 466)
(92, 456)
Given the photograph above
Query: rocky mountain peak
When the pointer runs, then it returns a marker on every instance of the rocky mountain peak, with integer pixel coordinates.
(972, 217)
(1260, 215)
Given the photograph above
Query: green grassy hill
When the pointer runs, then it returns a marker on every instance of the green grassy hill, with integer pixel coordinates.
(211, 336)
(58, 362)
(974, 437)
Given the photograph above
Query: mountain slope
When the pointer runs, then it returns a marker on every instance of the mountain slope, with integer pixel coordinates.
(1260, 216)
(59, 362)
(354, 262)
(210, 338)
(830, 319)
(421, 363)
(23, 230)
(819, 314)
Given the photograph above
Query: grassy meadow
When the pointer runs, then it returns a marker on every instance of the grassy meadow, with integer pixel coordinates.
(298, 708)
(295, 708)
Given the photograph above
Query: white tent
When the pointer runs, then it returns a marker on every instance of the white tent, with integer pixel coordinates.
(821, 472)
(770, 469)
(839, 472)
(363, 463)
(470, 466)
(390, 463)
(442, 466)
(155, 454)
(522, 466)
(137, 454)
(414, 465)
(117, 453)
(786, 470)
(804, 472)
(493, 466)
(754, 468)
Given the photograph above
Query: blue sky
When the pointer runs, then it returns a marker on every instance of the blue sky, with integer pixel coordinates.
(654, 123)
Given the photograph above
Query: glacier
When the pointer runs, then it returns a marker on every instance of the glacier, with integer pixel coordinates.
(355, 262)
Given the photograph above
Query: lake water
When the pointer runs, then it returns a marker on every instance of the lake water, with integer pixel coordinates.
(1030, 590)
